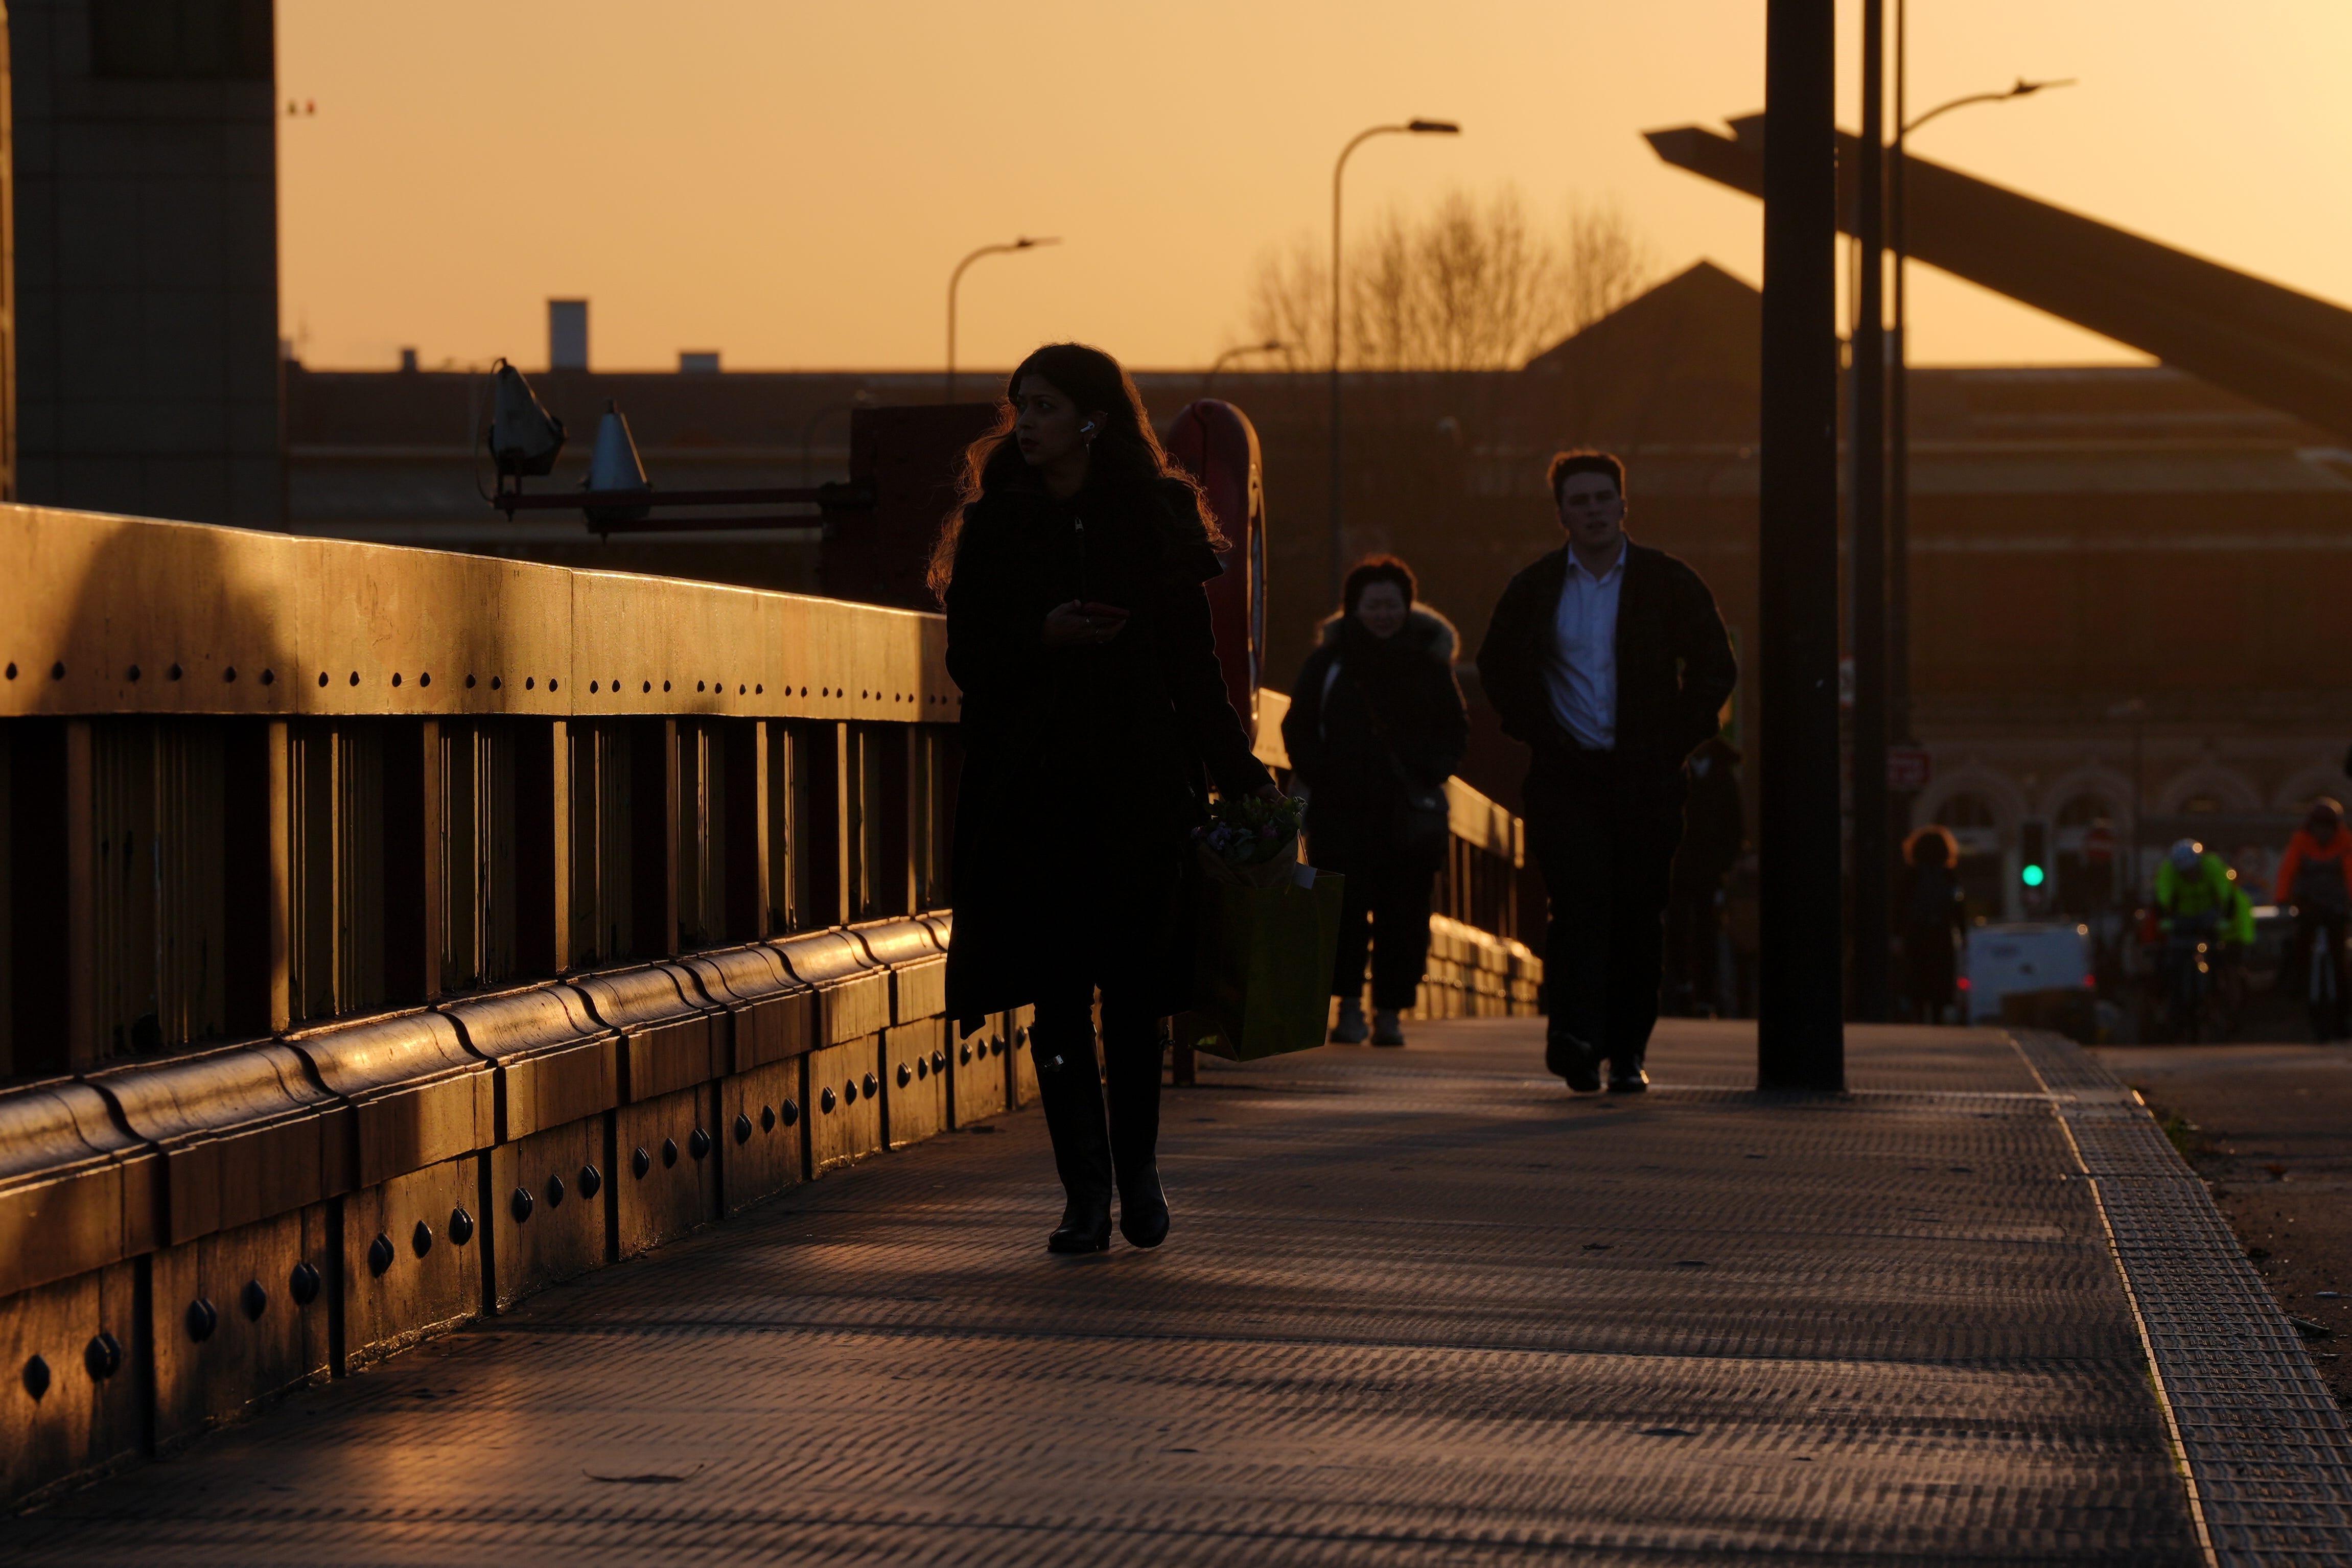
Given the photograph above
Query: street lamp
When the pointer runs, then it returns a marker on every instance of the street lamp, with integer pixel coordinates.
(1410, 127)
(956, 277)
(1271, 346)
(1898, 403)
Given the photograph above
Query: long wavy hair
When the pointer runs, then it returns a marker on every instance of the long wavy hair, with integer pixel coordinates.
(1126, 455)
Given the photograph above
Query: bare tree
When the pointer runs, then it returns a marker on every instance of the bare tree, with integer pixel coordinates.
(1465, 286)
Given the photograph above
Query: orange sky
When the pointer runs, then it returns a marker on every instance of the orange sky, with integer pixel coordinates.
(790, 183)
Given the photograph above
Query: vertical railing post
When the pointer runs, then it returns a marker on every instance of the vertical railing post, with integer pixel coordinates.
(258, 874)
(543, 848)
(747, 832)
(653, 837)
(79, 979)
(412, 860)
(846, 875)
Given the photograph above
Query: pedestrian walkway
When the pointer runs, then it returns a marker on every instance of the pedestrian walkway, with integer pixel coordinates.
(1418, 1306)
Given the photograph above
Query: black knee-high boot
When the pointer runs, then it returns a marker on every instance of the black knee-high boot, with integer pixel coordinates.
(1072, 1096)
(1132, 1073)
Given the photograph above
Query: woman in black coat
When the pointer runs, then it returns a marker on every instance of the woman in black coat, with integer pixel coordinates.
(1093, 714)
(1376, 724)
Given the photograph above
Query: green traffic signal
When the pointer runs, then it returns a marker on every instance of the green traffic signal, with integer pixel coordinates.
(2032, 876)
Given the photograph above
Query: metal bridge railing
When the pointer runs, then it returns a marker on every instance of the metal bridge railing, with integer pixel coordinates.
(386, 934)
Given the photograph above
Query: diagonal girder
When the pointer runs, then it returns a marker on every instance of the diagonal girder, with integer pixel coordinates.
(2279, 348)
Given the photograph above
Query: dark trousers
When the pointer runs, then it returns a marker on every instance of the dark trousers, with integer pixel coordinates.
(1604, 829)
(1694, 929)
(1385, 907)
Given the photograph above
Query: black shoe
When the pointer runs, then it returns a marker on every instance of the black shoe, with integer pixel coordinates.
(1565, 1056)
(1143, 1212)
(1634, 1082)
(1086, 1224)
(1071, 1096)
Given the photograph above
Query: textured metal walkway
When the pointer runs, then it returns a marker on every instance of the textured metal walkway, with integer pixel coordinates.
(1418, 1306)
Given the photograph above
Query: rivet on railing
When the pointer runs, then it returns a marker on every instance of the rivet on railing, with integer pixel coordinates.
(938, 1060)
(739, 689)
(669, 1152)
(742, 1128)
(804, 691)
(254, 1300)
(303, 1283)
(756, 687)
(905, 1077)
(133, 672)
(395, 677)
(871, 1087)
(420, 1240)
(470, 682)
(825, 1102)
(201, 1319)
(355, 677)
(552, 682)
(425, 678)
(461, 1226)
(697, 685)
(102, 1356)
(592, 688)
(173, 674)
(555, 1190)
(531, 683)
(767, 1118)
(379, 1255)
(519, 1205)
(964, 1055)
(590, 1179)
(269, 677)
(228, 674)
(665, 685)
(649, 685)
(35, 1374)
(697, 1143)
(922, 1069)
(322, 677)
(996, 1047)
(641, 1162)
(849, 1093)
(822, 691)
(790, 1113)
(58, 671)
(497, 682)
(11, 669)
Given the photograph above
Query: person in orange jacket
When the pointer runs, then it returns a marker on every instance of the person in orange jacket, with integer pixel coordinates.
(2314, 875)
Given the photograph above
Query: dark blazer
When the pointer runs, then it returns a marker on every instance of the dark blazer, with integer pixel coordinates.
(1675, 667)
(1108, 743)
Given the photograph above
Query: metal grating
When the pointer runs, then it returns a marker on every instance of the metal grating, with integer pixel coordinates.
(2268, 1453)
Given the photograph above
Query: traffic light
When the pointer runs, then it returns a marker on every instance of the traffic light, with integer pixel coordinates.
(2032, 860)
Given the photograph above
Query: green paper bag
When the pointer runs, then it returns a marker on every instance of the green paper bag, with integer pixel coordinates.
(1262, 966)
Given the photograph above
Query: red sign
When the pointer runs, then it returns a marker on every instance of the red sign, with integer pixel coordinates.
(2098, 842)
(1907, 768)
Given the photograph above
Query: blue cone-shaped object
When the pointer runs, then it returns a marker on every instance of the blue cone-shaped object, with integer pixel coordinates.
(614, 467)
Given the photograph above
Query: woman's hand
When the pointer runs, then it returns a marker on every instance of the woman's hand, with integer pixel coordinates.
(1079, 625)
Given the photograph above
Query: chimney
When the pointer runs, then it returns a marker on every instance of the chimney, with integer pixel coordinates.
(567, 334)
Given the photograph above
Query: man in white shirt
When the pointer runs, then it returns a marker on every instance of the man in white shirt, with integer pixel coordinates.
(1609, 661)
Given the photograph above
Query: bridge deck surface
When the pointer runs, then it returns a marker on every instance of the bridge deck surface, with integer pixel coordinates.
(1418, 1306)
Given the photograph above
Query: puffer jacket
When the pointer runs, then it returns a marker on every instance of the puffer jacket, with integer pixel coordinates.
(1360, 701)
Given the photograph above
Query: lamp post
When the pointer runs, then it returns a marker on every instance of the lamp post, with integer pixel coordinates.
(1872, 840)
(1410, 127)
(956, 277)
(1271, 346)
(1898, 406)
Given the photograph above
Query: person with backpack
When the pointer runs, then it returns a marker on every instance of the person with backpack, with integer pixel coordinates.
(1375, 727)
(2314, 875)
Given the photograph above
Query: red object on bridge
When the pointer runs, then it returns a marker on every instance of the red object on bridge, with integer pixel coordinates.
(2098, 842)
(1217, 444)
(1908, 770)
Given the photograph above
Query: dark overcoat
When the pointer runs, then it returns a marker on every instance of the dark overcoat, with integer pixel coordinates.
(1085, 769)
(1371, 719)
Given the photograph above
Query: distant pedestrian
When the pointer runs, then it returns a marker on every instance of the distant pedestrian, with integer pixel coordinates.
(1094, 708)
(1375, 727)
(1935, 918)
(1609, 661)
(1715, 828)
(2314, 875)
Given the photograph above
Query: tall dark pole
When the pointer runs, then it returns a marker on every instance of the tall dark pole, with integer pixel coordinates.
(1867, 560)
(1801, 1041)
(1898, 412)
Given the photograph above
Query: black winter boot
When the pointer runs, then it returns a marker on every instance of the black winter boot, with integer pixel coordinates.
(1072, 1096)
(1131, 1075)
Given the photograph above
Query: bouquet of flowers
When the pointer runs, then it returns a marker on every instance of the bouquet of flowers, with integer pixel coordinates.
(1251, 841)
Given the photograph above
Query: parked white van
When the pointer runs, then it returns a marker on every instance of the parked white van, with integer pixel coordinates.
(2022, 955)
